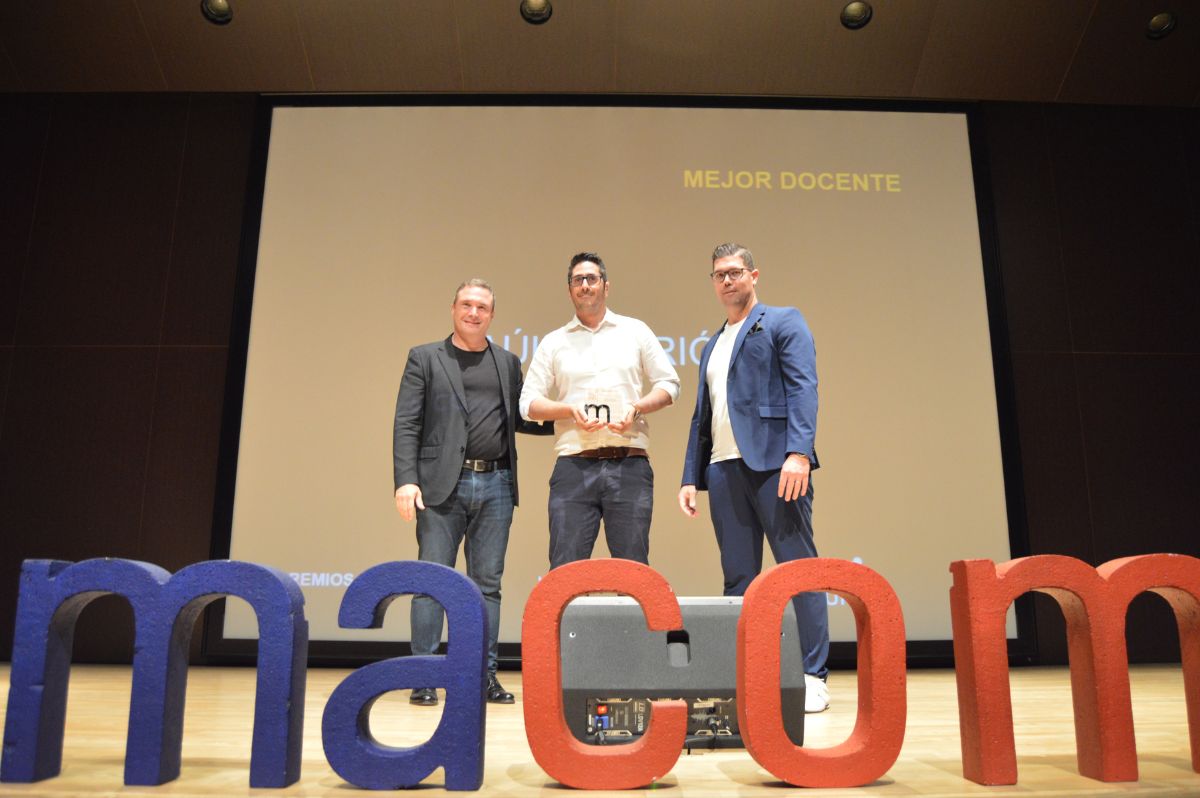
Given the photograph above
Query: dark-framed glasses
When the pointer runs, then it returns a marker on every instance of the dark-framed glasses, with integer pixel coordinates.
(586, 279)
(728, 274)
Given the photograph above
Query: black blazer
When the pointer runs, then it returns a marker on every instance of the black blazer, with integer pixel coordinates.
(429, 439)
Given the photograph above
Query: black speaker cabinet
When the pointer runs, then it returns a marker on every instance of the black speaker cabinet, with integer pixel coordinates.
(612, 666)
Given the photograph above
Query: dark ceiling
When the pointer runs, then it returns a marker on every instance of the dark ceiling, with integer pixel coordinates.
(1071, 51)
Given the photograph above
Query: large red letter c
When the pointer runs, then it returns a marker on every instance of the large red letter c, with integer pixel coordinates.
(555, 749)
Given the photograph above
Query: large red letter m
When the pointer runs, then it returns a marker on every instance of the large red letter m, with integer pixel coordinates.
(1094, 602)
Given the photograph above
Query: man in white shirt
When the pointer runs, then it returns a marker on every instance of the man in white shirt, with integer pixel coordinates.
(597, 378)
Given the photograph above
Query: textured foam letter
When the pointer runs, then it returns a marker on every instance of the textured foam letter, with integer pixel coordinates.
(457, 743)
(164, 608)
(41, 662)
(1094, 603)
(278, 733)
(556, 750)
(1176, 578)
(873, 745)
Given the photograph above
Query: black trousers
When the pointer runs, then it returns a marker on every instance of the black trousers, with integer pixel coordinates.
(584, 491)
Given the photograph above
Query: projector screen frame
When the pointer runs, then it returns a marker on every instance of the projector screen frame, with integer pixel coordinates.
(218, 649)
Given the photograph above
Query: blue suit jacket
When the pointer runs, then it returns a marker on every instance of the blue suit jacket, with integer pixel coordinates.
(772, 392)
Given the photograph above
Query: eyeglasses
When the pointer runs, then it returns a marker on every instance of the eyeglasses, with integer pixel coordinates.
(585, 279)
(728, 274)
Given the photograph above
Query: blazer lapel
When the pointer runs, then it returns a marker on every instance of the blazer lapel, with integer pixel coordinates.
(703, 365)
(450, 366)
(754, 318)
(502, 369)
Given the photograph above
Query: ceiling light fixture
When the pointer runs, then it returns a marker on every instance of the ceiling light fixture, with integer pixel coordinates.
(1160, 25)
(856, 15)
(218, 12)
(535, 12)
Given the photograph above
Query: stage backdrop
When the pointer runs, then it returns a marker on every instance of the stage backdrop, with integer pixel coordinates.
(864, 220)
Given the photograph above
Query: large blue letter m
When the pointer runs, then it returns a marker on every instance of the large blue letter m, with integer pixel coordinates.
(165, 608)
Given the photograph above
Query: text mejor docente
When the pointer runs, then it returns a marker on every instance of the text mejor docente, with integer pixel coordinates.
(785, 180)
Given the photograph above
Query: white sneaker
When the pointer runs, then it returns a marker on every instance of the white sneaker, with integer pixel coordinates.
(816, 694)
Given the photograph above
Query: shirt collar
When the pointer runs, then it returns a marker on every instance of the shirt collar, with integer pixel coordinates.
(609, 318)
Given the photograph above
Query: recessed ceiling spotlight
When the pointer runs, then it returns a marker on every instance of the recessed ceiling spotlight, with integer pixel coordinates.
(218, 12)
(856, 15)
(535, 12)
(1160, 25)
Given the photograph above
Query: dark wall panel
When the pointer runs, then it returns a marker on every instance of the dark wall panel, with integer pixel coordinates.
(1151, 634)
(76, 432)
(1110, 450)
(204, 251)
(184, 443)
(105, 212)
(108, 438)
(73, 458)
(1058, 513)
(1191, 154)
(104, 631)
(23, 124)
(1142, 447)
(1145, 503)
(6, 353)
(1028, 242)
(1123, 202)
(10, 81)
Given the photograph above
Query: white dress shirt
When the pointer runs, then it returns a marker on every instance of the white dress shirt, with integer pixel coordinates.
(610, 365)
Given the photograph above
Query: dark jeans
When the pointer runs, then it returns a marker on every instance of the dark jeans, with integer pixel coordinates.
(745, 507)
(583, 491)
(481, 509)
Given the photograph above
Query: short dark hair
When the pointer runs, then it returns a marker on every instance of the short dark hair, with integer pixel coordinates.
(735, 251)
(586, 257)
(475, 282)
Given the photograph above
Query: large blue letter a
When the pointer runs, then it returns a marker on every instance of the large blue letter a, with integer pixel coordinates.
(457, 744)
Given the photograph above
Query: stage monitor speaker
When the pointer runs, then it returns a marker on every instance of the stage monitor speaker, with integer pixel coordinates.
(612, 666)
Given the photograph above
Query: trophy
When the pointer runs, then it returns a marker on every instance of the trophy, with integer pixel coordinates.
(605, 405)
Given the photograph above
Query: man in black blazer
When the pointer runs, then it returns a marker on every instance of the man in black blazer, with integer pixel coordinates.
(455, 463)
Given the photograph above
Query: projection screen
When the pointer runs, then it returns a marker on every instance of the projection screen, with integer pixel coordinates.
(864, 220)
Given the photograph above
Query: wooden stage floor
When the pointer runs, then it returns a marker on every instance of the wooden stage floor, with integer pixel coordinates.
(217, 741)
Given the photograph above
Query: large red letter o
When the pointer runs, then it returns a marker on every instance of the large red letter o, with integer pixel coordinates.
(873, 746)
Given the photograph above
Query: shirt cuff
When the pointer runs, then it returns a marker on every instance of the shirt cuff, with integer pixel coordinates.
(672, 389)
(523, 406)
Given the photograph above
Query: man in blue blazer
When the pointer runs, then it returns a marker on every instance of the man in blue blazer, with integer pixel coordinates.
(751, 446)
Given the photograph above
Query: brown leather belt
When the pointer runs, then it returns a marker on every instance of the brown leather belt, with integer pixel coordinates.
(611, 453)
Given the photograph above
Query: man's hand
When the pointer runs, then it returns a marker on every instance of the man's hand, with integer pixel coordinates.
(408, 501)
(793, 477)
(687, 500)
(583, 422)
(622, 425)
